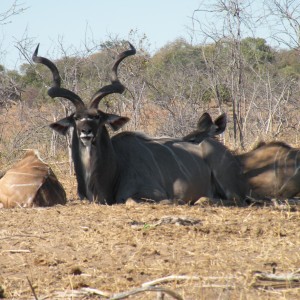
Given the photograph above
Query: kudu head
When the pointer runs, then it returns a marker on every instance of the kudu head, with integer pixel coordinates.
(206, 128)
(87, 119)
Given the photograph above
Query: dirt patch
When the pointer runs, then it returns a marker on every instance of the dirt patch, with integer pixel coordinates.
(118, 248)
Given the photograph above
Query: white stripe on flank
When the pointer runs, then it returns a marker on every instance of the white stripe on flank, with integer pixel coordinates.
(296, 169)
(286, 161)
(276, 159)
(21, 173)
(154, 160)
(296, 161)
(25, 184)
(195, 160)
(181, 166)
(192, 156)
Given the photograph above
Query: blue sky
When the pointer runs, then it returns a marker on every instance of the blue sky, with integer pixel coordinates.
(72, 21)
(162, 21)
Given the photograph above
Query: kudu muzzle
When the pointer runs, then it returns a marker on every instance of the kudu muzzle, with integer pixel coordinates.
(86, 132)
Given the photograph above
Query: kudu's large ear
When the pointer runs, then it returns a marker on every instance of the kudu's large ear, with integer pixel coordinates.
(115, 121)
(62, 126)
(205, 122)
(220, 123)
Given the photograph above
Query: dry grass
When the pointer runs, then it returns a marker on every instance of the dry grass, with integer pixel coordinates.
(62, 249)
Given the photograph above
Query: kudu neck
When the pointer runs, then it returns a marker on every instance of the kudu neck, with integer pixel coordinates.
(100, 165)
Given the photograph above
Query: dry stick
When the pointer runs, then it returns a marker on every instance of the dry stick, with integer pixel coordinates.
(96, 292)
(146, 289)
(170, 278)
(276, 285)
(280, 277)
(17, 251)
(32, 289)
(22, 235)
(123, 295)
(185, 277)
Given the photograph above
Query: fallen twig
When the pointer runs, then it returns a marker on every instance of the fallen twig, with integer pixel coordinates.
(17, 251)
(22, 235)
(277, 281)
(149, 286)
(295, 276)
(118, 296)
(146, 289)
(170, 278)
(80, 293)
(185, 277)
(96, 292)
(32, 289)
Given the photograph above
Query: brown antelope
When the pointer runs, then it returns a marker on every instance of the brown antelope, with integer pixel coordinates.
(132, 165)
(30, 183)
(271, 169)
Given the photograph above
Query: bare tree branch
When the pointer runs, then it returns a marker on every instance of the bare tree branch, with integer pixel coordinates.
(15, 9)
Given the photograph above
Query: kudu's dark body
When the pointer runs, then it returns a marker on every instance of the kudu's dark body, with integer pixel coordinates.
(132, 165)
(271, 169)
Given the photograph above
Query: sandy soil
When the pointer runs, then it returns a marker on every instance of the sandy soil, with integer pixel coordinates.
(64, 249)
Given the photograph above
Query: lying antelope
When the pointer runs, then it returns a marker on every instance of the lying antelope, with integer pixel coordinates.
(132, 165)
(271, 169)
(30, 183)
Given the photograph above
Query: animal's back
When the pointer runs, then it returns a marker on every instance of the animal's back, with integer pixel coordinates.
(272, 170)
(30, 182)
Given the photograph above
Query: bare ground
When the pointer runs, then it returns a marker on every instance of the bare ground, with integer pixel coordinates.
(64, 249)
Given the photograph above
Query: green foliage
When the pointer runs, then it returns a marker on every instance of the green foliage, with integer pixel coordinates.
(217, 53)
(14, 75)
(256, 52)
(221, 91)
(176, 71)
(288, 63)
(178, 53)
(115, 44)
(30, 76)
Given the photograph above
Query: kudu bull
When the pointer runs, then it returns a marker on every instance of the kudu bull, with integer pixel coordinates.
(271, 169)
(30, 183)
(132, 165)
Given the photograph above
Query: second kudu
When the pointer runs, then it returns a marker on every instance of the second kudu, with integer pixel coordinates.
(271, 169)
(30, 182)
(132, 165)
